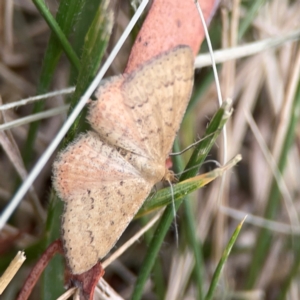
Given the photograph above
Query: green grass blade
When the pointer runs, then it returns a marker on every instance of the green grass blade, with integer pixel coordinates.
(65, 20)
(163, 197)
(58, 31)
(202, 149)
(159, 283)
(217, 273)
(195, 244)
(199, 155)
(52, 285)
(190, 229)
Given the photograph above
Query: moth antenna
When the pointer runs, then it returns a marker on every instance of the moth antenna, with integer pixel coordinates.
(191, 146)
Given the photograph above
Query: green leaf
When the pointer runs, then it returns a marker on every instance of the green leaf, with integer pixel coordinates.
(165, 196)
(217, 273)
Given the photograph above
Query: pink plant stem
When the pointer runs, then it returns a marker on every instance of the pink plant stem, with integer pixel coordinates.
(170, 23)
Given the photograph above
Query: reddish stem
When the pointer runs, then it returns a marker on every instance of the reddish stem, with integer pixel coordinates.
(87, 281)
(34, 275)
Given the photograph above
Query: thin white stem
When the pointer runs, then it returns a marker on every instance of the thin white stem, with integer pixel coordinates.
(213, 62)
(28, 100)
(131, 241)
(260, 222)
(224, 55)
(39, 116)
(202, 60)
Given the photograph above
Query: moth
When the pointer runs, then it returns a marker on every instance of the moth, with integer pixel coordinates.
(105, 175)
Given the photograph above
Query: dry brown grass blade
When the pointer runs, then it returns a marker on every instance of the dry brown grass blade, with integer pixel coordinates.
(11, 149)
(11, 270)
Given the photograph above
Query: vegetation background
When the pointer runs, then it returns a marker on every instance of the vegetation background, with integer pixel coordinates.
(264, 262)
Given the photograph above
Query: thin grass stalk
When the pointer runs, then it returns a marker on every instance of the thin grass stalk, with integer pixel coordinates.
(158, 278)
(217, 274)
(57, 30)
(196, 246)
